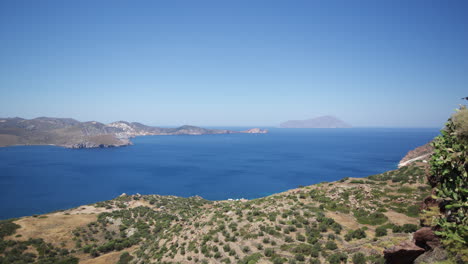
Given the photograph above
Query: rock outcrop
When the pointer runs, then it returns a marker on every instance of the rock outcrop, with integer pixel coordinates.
(425, 238)
(433, 256)
(405, 253)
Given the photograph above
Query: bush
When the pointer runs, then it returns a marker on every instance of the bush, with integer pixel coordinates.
(7, 227)
(449, 176)
(409, 228)
(304, 249)
(366, 218)
(337, 258)
(359, 258)
(125, 258)
(251, 259)
(357, 234)
(331, 245)
(380, 231)
(269, 252)
(314, 261)
(300, 237)
(299, 257)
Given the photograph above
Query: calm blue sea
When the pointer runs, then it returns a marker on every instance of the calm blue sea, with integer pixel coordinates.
(40, 179)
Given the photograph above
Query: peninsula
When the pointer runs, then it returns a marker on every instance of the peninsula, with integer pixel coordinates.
(70, 133)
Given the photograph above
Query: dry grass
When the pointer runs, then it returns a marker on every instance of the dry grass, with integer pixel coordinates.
(346, 220)
(54, 228)
(401, 219)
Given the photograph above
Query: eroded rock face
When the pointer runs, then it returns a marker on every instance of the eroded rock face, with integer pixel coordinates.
(405, 253)
(425, 238)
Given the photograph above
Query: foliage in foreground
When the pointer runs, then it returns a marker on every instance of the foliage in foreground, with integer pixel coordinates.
(449, 176)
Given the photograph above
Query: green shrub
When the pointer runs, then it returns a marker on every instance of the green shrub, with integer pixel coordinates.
(299, 257)
(337, 258)
(449, 176)
(300, 237)
(366, 218)
(314, 261)
(331, 245)
(304, 249)
(7, 228)
(380, 231)
(357, 234)
(125, 258)
(409, 228)
(269, 252)
(357, 181)
(359, 258)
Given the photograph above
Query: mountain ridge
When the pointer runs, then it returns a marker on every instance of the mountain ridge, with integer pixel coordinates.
(70, 133)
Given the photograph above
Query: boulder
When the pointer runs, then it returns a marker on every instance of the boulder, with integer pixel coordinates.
(404, 253)
(429, 202)
(432, 256)
(425, 238)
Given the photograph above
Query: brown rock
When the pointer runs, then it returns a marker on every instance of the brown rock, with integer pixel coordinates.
(426, 238)
(405, 253)
(432, 256)
(429, 202)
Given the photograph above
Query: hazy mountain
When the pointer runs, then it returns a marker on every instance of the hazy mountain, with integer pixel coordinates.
(318, 122)
(71, 133)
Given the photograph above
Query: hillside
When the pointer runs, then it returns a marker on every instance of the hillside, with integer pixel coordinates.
(318, 122)
(354, 218)
(70, 133)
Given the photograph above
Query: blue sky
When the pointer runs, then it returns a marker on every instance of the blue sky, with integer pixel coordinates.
(215, 63)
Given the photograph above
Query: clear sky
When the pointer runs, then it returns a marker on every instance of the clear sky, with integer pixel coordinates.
(253, 63)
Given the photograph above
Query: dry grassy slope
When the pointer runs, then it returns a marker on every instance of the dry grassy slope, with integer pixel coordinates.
(317, 224)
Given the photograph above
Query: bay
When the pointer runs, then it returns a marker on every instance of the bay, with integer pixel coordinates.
(40, 179)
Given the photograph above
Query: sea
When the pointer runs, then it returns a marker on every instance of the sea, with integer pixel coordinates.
(41, 179)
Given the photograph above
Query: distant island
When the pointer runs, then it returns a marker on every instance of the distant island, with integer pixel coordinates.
(70, 133)
(318, 122)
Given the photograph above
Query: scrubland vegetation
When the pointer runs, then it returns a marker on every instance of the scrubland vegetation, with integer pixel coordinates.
(351, 220)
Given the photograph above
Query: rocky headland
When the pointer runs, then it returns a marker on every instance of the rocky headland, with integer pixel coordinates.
(421, 153)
